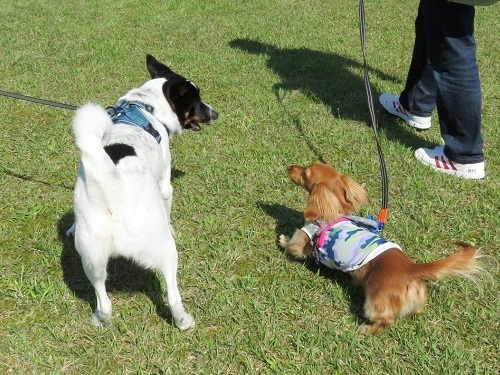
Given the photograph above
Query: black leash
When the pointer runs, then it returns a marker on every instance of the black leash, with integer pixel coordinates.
(383, 172)
(39, 101)
(44, 102)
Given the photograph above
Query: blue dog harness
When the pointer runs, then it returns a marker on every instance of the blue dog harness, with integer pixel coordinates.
(131, 113)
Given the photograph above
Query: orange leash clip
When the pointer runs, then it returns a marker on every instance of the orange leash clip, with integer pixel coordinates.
(382, 216)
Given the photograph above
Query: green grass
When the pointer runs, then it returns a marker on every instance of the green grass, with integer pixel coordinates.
(286, 78)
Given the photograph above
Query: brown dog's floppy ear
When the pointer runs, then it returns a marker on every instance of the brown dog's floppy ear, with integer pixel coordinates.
(322, 204)
(349, 193)
(354, 192)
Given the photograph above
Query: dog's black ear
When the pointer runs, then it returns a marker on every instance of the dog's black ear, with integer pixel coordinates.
(155, 68)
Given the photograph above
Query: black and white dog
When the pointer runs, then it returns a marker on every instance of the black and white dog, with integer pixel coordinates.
(123, 192)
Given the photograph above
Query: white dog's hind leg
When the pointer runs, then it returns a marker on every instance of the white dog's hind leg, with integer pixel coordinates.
(182, 319)
(102, 315)
(97, 275)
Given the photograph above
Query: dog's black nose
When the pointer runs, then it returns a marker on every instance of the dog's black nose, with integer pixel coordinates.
(213, 114)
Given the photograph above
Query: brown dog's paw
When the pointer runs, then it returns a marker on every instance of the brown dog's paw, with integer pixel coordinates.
(376, 326)
(365, 329)
(283, 240)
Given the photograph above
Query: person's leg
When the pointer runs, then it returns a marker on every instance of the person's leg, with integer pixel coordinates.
(451, 50)
(418, 99)
(419, 94)
(457, 77)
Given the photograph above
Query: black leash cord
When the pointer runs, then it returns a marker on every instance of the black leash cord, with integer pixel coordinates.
(383, 171)
(36, 100)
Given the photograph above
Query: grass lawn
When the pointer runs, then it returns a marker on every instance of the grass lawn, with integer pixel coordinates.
(287, 81)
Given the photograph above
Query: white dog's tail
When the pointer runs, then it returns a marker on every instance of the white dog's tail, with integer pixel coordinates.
(89, 124)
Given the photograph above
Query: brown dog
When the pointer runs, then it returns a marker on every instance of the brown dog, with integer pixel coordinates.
(394, 284)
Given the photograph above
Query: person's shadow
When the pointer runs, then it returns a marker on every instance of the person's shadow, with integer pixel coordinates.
(287, 220)
(124, 276)
(331, 79)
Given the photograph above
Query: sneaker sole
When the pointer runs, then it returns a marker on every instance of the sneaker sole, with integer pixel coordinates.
(447, 167)
(393, 111)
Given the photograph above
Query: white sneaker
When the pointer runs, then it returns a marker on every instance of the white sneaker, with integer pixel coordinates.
(391, 104)
(436, 159)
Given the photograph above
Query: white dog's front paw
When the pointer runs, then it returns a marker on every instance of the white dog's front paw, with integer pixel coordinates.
(283, 240)
(184, 323)
(71, 231)
(172, 230)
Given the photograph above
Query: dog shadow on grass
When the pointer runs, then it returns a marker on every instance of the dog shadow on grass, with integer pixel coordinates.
(333, 80)
(124, 276)
(287, 220)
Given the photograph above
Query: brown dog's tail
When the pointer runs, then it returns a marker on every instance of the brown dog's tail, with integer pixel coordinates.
(461, 263)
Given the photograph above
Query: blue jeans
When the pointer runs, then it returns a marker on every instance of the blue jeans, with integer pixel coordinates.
(444, 74)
